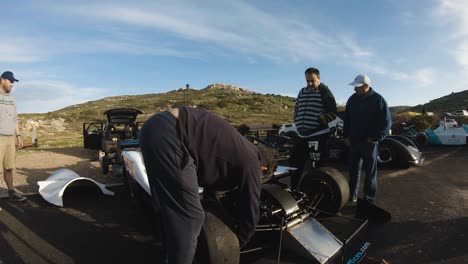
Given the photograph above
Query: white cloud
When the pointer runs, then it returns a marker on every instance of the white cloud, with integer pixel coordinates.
(244, 29)
(45, 96)
(461, 54)
(15, 49)
(454, 13)
(425, 77)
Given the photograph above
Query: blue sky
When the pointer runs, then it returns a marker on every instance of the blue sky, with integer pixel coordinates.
(66, 52)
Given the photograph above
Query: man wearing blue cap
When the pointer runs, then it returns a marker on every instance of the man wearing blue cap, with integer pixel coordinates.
(9, 133)
(367, 121)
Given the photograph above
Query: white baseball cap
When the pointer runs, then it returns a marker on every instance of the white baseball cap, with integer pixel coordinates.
(360, 80)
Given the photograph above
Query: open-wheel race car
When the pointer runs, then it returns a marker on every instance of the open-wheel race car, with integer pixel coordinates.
(290, 216)
(446, 132)
(394, 150)
(110, 138)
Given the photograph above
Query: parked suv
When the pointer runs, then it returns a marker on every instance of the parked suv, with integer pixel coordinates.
(461, 113)
(119, 132)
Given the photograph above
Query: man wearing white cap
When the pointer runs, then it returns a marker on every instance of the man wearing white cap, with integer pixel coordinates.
(367, 121)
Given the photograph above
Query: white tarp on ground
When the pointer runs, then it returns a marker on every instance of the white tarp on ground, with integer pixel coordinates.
(53, 188)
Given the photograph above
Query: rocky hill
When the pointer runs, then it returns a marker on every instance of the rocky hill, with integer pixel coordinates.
(448, 103)
(236, 104)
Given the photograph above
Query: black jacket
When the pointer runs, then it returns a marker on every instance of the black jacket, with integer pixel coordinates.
(224, 160)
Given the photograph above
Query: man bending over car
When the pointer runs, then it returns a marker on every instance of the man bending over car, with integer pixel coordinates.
(186, 148)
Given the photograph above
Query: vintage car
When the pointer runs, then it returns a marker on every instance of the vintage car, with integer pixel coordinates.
(446, 132)
(292, 214)
(110, 138)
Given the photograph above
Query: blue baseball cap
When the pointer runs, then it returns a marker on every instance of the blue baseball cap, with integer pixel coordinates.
(10, 76)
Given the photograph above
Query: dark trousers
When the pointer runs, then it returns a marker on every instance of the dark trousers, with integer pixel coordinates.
(363, 153)
(174, 186)
(302, 153)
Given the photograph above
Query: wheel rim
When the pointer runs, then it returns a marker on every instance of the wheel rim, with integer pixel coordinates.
(385, 155)
(321, 192)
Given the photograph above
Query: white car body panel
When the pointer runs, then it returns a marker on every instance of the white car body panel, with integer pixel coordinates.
(135, 166)
(53, 188)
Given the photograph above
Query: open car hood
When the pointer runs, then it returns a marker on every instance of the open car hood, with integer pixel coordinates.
(122, 115)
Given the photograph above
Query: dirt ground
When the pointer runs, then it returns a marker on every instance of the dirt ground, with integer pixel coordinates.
(428, 206)
(33, 165)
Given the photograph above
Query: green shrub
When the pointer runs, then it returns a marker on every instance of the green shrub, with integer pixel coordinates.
(422, 122)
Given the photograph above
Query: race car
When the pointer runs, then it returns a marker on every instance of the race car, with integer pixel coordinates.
(293, 214)
(446, 132)
(394, 150)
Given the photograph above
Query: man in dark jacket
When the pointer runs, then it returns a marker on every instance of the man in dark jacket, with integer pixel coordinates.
(186, 148)
(367, 121)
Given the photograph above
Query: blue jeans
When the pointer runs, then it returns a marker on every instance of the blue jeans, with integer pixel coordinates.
(363, 152)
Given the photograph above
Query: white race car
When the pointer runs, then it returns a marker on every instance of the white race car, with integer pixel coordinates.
(448, 132)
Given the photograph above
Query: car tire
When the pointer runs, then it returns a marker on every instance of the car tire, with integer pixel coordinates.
(393, 154)
(328, 182)
(385, 154)
(217, 243)
(421, 139)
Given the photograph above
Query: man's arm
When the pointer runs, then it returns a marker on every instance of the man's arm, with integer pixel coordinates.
(18, 136)
(249, 202)
(329, 104)
(384, 121)
(295, 106)
(347, 119)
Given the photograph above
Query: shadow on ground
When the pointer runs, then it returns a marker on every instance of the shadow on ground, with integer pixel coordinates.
(418, 242)
(91, 228)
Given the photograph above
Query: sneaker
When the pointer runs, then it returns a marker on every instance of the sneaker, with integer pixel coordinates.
(16, 197)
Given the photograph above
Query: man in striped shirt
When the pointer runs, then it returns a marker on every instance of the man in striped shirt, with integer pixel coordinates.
(315, 104)
(315, 108)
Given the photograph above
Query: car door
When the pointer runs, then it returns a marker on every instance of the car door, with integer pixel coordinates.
(92, 135)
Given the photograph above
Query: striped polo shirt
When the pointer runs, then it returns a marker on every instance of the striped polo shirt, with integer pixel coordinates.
(308, 109)
(8, 116)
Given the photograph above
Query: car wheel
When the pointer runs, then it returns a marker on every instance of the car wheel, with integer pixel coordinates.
(105, 165)
(421, 139)
(385, 155)
(217, 243)
(327, 188)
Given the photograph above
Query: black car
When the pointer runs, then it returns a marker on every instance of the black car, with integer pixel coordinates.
(119, 132)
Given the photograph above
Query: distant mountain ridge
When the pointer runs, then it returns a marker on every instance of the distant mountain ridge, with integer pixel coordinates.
(236, 104)
(448, 103)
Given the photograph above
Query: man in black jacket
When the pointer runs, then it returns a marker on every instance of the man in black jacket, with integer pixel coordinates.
(186, 148)
(367, 121)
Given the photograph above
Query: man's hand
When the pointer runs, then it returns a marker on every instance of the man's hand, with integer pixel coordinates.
(20, 141)
(327, 118)
(347, 141)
